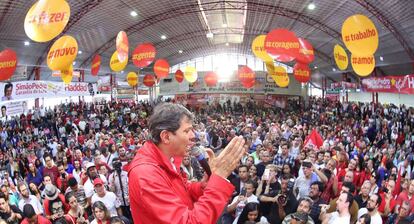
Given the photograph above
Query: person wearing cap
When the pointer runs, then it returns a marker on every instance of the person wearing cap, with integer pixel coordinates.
(310, 175)
(158, 190)
(92, 174)
(31, 216)
(107, 197)
(54, 204)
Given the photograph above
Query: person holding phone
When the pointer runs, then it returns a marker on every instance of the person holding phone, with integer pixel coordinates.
(240, 201)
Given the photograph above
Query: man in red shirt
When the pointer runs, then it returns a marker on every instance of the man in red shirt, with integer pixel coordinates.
(50, 169)
(159, 192)
(407, 196)
(31, 217)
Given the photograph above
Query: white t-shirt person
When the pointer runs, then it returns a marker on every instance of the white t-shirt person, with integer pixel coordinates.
(374, 218)
(110, 200)
(242, 204)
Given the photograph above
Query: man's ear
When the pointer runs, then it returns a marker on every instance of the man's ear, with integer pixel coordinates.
(165, 137)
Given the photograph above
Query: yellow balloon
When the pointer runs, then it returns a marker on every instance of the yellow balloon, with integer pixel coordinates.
(62, 53)
(280, 76)
(360, 35)
(46, 19)
(270, 68)
(132, 79)
(341, 57)
(259, 50)
(117, 65)
(190, 74)
(363, 65)
(67, 74)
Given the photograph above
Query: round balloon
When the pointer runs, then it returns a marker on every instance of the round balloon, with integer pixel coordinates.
(301, 72)
(281, 77)
(259, 49)
(360, 35)
(149, 80)
(341, 57)
(179, 76)
(67, 74)
(115, 64)
(8, 64)
(363, 65)
(161, 68)
(190, 74)
(132, 79)
(62, 53)
(122, 46)
(211, 79)
(143, 55)
(306, 54)
(246, 76)
(96, 65)
(282, 45)
(46, 19)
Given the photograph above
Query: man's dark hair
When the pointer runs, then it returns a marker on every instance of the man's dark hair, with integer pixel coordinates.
(167, 116)
(28, 211)
(7, 86)
(3, 107)
(2, 195)
(320, 185)
(349, 185)
(349, 198)
(243, 166)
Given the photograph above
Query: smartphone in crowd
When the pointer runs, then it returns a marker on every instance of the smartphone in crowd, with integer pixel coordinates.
(266, 174)
(243, 192)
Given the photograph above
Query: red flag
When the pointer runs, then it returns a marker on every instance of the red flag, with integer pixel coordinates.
(314, 140)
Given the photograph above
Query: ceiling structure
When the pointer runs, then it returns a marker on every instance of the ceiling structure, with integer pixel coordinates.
(187, 25)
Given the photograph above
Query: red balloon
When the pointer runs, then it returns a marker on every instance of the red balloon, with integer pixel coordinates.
(301, 72)
(8, 64)
(96, 65)
(211, 79)
(306, 54)
(149, 80)
(246, 76)
(179, 76)
(282, 45)
(161, 68)
(143, 55)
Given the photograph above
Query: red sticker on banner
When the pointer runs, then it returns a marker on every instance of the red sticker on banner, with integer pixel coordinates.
(306, 54)
(143, 55)
(8, 64)
(301, 72)
(161, 68)
(211, 79)
(96, 65)
(282, 45)
(179, 76)
(149, 80)
(246, 76)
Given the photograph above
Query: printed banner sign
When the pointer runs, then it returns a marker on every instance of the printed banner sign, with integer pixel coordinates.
(12, 108)
(390, 84)
(346, 85)
(45, 89)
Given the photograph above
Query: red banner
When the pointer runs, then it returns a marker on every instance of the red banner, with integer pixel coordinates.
(346, 85)
(390, 84)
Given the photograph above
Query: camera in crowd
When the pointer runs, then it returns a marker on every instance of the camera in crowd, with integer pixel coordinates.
(117, 165)
(283, 197)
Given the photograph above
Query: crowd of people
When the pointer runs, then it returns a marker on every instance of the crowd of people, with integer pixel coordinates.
(68, 164)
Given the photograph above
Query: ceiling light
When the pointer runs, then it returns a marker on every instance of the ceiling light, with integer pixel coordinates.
(180, 51)
(79, 52)
(210, 35)
(311, 6)
(381, 58)
(26, 43)
(316, 67)
(334, 69)
(163, 37)
(227, 44)
(74, 63)
(224, 25)
(133, 13)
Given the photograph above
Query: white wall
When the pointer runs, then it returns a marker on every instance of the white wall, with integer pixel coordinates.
(386, 98)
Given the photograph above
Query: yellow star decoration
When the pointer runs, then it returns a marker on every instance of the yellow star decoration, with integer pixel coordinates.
(393, 82)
